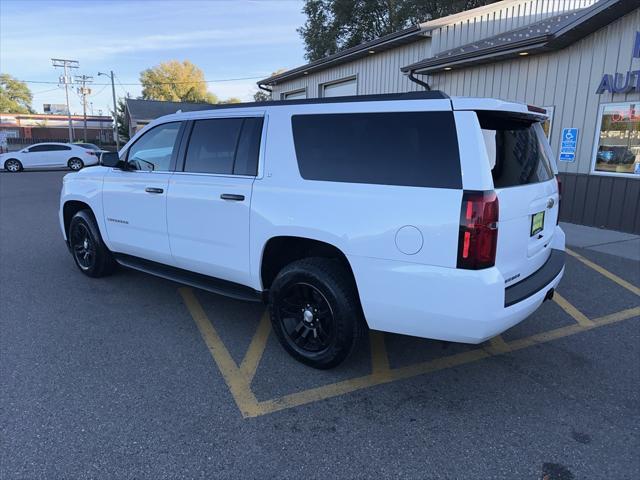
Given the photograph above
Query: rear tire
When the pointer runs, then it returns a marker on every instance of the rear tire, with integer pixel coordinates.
(75, 164)
(13, 165)
(315, 312)
(91, 255)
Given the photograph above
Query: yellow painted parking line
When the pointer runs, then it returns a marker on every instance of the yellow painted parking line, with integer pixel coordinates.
(576, 314)
(623, 283)
(243, 396)
(252, 359)
(238, 379)
(498, 345)
(379, 358)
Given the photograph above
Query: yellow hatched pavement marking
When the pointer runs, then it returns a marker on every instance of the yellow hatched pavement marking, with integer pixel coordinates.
(576, 314)
(238, 379)
(251, 360)
(623, 283)
(379, 357)
(498, 345)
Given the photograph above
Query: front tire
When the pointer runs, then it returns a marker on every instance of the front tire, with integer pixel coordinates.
(91, 255)
(75, 164)
(13, 165)
(315, 312)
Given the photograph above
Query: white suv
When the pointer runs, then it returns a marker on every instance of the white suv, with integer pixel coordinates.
(416, 213)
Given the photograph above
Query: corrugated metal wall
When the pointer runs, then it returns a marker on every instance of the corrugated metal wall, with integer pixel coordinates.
(380, 72)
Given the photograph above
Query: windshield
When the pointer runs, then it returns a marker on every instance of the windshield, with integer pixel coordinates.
(88, 146)
(518, 150)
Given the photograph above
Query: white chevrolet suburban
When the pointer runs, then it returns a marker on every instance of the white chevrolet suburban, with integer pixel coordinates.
(413, 213)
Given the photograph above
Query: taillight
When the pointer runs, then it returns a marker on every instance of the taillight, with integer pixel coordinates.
(92, 153)
(478, 230)
(559, 197)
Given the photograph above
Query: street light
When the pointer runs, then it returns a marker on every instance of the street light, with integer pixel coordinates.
(115, 108)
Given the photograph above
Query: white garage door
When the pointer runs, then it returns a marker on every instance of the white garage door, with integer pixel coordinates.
(340, 89)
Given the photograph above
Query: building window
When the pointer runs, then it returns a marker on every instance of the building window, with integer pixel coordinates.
(294, 94)
(617, 149)
(340, 88)
(548, 124)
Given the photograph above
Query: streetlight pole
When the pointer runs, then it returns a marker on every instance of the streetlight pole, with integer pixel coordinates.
(115, 109)
(66, 80)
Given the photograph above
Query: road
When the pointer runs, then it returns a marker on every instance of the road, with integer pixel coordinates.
(122, 377)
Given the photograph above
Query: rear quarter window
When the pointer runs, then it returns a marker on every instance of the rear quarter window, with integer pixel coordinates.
(417, 149)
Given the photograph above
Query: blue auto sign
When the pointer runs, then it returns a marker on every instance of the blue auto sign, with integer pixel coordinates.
(569, 145)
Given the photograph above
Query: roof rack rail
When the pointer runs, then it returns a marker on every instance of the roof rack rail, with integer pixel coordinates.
(384, 97)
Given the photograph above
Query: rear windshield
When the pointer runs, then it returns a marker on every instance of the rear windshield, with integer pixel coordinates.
(518, 149)
(418, 149)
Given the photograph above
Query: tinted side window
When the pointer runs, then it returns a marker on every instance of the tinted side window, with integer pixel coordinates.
(58, 147)
(417, 149)
(153, 150)
(249, 147)
(224, 146)
(41, 148)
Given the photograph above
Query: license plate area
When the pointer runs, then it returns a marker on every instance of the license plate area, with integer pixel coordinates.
(537, 223)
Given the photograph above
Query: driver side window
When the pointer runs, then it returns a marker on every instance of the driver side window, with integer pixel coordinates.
(152, 152)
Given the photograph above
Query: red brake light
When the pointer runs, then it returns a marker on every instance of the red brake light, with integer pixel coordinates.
(478, 230)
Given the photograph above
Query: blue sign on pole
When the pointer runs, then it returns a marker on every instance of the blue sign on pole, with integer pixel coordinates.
(569, 144)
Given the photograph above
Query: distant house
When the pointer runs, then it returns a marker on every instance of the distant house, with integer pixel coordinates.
(141, 112)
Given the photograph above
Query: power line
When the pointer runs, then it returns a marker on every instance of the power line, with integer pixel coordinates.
(160, 83)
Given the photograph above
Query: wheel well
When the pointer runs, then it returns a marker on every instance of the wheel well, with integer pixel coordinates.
(70, 209)
(281, 251)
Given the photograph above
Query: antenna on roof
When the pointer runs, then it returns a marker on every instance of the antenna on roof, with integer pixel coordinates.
(179, 110)
(419, 82)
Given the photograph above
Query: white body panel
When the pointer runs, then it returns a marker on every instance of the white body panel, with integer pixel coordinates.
(401, 242)
(210, 235)
(50, 159)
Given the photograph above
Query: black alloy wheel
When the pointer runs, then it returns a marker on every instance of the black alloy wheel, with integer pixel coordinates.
(307, 318)
(315, 311)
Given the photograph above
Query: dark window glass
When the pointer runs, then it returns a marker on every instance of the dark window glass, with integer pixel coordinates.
(518, 149)
(153, 150)
(249, 148)
(224, 146)
(58, 147)
(417, 149)
(42, 148)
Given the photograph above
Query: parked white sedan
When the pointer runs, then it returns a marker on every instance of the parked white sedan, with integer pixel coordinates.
(49, 155)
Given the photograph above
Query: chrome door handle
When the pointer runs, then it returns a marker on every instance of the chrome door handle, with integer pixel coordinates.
(232, 196)
(153, 190)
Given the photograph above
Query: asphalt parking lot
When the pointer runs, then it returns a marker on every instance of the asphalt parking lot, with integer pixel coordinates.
(133, 376)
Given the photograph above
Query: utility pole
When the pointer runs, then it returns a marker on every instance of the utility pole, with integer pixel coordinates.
(84, 91)
(66, 80)
(115, 108)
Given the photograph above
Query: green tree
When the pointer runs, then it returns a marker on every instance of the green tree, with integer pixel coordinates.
(261, 96)
(333, 25)
(231, 100)
(15, 96)
(123, 120)
(177, 82)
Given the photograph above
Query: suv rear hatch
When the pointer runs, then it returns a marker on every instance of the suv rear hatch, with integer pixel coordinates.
(523, 172)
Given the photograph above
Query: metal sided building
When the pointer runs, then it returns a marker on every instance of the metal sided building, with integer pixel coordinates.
(579, 59)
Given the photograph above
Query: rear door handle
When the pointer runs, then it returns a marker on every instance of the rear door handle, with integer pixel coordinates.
(232, 196)
(153, 190)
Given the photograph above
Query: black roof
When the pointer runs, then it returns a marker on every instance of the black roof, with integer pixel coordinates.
(550, 34)
(147, 110)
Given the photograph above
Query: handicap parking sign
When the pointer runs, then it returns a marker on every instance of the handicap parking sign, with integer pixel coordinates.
(569, 144)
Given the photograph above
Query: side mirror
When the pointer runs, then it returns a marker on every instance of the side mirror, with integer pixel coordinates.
(110, 159)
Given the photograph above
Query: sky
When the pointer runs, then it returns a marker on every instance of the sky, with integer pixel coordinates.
(235, 43)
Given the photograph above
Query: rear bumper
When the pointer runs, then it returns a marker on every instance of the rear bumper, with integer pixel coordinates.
(537, 281)
(445, 304)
